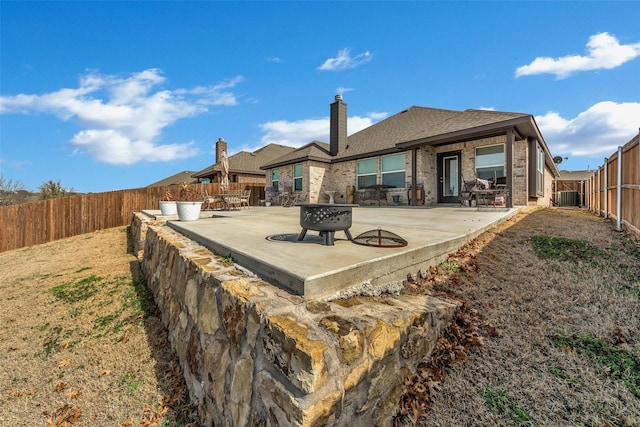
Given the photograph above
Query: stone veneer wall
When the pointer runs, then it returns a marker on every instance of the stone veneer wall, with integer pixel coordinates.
(253, 354)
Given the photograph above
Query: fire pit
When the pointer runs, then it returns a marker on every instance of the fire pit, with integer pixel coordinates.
(327, 218)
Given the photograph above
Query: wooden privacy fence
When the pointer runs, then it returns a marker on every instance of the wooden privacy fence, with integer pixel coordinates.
(613, 190)
(33, 223)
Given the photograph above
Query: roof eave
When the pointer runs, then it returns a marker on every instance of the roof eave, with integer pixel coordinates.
(295, 160)
(469, 133)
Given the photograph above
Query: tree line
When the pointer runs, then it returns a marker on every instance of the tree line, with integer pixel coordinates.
(14, 192)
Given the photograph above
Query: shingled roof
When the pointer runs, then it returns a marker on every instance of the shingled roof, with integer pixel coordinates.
(315, 150)
(412, 127)
(416, 124)
(248, 163)
(179, 178)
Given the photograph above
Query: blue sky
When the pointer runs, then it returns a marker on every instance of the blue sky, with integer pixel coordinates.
(113, 95)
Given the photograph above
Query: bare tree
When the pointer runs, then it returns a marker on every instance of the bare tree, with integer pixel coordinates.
(9, 191)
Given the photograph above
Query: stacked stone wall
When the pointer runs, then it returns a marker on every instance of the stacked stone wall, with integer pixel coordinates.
(253, 354)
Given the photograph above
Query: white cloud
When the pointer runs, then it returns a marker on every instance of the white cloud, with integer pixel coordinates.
(109, 146)
(596, 132)
(123, 116)
(301, 132)
(604, 51)
(344, 61)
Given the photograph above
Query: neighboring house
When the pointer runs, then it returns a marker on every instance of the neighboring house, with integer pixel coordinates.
(179, 178)
(569, 188)
(422, 150)
(244, 167)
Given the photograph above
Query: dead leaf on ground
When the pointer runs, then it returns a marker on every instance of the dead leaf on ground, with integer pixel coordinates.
(73, 394)
(64, 363)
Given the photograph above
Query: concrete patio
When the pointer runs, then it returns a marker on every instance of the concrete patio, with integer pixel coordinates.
(313, 270)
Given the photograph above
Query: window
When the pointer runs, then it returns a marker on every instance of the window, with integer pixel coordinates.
(297, 177)
(393, 170)
(490, 162)
(275, 178)
(367, 170)
(536, 170)
(540, 169)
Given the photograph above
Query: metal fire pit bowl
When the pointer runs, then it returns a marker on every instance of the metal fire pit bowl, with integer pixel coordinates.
(327, 218)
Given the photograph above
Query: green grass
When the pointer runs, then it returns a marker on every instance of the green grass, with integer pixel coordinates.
(620, 364)
(78, 291)
(135, 303)
(558, 372)
(550, 247)
(499, 401)
(450, 265)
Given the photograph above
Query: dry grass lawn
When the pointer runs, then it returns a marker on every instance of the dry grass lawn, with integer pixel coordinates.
(81, 341)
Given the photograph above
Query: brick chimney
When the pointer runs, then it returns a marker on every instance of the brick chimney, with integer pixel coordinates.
(221, 145)
(338, 126)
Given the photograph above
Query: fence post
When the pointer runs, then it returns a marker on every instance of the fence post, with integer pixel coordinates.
(619, 191)
(606, 188)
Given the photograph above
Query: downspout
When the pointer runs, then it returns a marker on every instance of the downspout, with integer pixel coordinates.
(414, 178)
(619, 197)
(509, 168)
(606, 188)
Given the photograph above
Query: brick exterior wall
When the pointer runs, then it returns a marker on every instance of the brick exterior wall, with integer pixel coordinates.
(320, 177)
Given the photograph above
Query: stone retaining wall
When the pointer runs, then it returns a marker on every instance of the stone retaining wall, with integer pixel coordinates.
(255, 355)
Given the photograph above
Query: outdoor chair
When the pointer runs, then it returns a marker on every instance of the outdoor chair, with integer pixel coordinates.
(466, 195)
(233, 200)
(245, 198)
(210, 201)
(289, 200)
(269, 194)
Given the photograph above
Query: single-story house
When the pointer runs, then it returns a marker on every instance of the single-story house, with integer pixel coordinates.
(244, 167)
(424, 155)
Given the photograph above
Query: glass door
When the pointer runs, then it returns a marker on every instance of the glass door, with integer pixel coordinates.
(448, 177)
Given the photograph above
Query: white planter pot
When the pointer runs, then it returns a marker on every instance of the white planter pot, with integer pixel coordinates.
(189, 211)
(168, 208)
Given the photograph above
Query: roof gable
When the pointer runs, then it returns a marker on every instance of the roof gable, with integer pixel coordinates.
(248, 162)
(315, 150)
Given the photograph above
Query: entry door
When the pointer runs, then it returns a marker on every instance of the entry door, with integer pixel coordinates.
(448, 177)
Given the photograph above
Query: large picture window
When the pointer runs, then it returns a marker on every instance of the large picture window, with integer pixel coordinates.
(367, 170)
(490, 162)
(393, 170)
(275, 177)
(297, 177)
